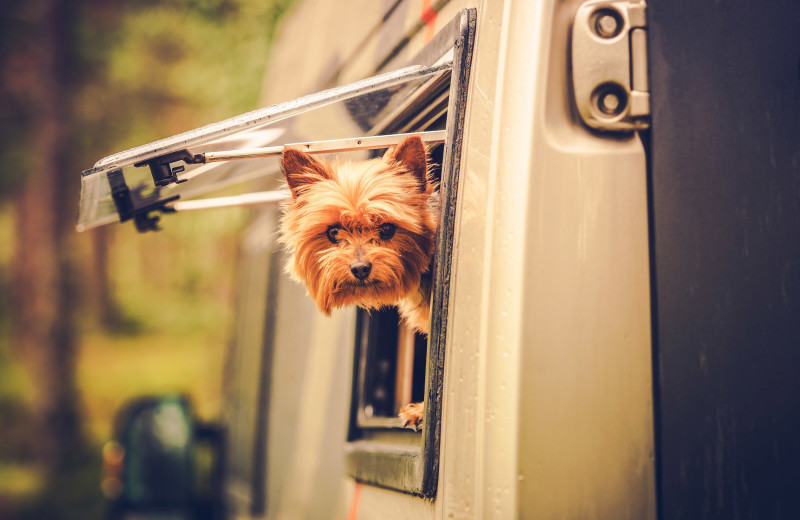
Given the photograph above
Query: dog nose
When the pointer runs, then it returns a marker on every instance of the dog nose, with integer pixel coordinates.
(360, 269)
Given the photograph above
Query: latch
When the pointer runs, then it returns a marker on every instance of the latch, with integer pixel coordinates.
(163, 172)
(609, 65)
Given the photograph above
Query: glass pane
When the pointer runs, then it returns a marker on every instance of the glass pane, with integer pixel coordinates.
(338, 113)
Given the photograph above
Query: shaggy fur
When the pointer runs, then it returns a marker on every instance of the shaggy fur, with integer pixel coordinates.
(358, 201)
(363, 234)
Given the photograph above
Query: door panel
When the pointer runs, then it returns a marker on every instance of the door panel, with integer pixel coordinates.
(725, 232)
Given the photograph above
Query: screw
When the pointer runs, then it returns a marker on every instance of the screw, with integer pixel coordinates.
(607, 23)
(609, 103)
(609, 100)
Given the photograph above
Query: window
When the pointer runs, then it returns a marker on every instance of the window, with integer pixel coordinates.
(392, 365)
(390, 361)
(390, 357)
(136, 183)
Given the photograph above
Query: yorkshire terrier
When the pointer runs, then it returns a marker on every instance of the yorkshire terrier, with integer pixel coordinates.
(362, 233)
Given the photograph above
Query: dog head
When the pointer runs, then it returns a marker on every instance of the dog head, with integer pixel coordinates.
(360, 233)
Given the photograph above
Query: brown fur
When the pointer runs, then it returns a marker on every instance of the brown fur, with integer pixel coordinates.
(412, 414)
(360, 197)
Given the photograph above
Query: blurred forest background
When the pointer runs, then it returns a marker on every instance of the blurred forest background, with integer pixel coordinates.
(88, 321)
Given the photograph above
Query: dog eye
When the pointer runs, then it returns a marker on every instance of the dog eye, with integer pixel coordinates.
(386, 231)
(332, 232)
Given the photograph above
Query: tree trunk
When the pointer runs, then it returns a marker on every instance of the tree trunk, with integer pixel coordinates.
(97, 284)
(43, 296)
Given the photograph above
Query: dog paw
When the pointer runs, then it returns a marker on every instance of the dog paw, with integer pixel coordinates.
(412, 415)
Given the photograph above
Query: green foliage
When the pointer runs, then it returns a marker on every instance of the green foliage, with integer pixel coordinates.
(135, 71)
(171, 66)
(178, 281)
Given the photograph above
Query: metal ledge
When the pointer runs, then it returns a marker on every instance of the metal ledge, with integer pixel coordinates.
(385, 464)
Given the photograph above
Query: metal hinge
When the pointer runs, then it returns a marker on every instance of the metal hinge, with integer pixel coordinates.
(609, 65)
(131, 205)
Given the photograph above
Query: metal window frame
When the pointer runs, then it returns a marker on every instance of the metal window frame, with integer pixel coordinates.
(117, 187)
(404, 460)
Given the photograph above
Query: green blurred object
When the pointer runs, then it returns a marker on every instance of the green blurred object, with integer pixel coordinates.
(158, 466)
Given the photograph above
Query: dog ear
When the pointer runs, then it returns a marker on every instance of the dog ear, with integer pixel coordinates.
(301, 169)
(411, 153)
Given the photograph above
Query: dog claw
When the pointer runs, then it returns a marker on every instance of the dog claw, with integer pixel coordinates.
(412, 415)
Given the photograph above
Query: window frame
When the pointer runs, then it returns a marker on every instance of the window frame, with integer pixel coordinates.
(120, 187)
(402, 459)
(390, 457)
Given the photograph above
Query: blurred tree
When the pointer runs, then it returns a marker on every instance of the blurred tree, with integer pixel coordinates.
(81, 79)
(39, 83)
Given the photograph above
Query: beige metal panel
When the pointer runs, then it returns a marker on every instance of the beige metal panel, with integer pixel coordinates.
(481, 402)
(309, 407)
(586, 410)
(315, 38)
(322, 43)
(548, 410)
(587, 417)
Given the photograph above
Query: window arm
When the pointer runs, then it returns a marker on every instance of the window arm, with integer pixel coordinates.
(330, 146)
(164, 174)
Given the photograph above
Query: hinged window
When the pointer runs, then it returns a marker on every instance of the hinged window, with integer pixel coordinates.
(393, 366)
(134, 184)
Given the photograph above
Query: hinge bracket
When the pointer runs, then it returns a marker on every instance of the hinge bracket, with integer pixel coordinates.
(163, 172)
(609, 65)
(131, 205)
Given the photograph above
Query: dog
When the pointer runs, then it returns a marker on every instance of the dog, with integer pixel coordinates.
(363, 233)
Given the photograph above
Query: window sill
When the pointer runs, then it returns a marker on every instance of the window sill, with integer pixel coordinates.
(385, 464)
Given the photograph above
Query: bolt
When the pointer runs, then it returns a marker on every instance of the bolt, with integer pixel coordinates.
(607, 23)
(609, 103)
(609, 100)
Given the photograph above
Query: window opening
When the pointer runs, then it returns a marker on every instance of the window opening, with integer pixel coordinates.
(391, 356)
(379, 451)
(391, 368)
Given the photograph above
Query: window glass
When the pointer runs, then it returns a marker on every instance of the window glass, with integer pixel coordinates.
(338, 113)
